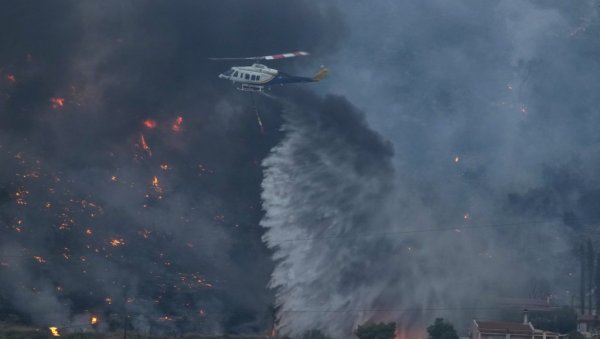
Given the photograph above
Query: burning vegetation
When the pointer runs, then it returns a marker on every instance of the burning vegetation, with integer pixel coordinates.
(57, 102)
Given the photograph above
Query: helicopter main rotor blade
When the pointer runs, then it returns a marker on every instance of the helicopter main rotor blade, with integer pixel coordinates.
(268, 57)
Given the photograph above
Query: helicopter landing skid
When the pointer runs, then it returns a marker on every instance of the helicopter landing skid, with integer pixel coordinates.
(250, 88)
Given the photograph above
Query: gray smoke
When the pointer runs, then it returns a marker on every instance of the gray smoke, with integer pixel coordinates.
(85, 228)
(491, 109)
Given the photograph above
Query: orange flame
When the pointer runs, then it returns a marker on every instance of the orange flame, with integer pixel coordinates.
(93, 320)
(57, 102)
(176, 127)
(145, 145)
(54, 331)
(150, 123)
(117, 242)
(156, 185)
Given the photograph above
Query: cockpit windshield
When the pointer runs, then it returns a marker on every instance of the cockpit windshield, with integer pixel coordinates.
(228, 72)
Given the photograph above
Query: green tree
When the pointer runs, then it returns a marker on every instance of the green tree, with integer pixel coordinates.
(441, 329)
(376, 331)
(315, 334)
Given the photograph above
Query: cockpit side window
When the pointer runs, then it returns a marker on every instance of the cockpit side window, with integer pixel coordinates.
(235, 74)
(247, 76)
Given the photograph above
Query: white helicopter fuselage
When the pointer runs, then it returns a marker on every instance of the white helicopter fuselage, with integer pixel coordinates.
(256, 76)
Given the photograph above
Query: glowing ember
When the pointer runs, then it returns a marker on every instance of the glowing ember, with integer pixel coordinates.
(113, 178)
(117, 242)
(176, 127)
(54, 331)
(108, 300)
(156, 184)
(456, 158)
(20, 195)
(150, 123)
(39, 259)
(11, 78)
(467, 216)
(144, 145)
(93, 320)
(57, 102)
(164, 167)
(88, 231)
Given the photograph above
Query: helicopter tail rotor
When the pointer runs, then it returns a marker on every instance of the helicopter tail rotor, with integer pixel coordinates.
(321, 74)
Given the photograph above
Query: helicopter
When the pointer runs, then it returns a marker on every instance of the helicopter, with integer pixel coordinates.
(258, 77)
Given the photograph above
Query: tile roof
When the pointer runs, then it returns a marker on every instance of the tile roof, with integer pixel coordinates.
(503, 327)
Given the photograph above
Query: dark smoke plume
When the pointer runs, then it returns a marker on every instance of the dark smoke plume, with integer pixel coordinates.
(130, 175)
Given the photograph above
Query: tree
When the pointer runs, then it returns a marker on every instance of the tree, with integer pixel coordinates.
(315, 334)
(376, 331)
(441, 329)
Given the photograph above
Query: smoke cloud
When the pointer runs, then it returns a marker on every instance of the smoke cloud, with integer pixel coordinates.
(133, 181)
(130, 174)
(490, 108)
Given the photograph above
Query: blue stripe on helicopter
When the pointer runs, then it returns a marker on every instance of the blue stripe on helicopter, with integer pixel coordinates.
(281, 79)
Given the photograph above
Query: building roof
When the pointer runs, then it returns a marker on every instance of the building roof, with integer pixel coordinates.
(528, 303)
(503, 327)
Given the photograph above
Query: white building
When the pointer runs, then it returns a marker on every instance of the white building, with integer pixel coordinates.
(508, 330)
